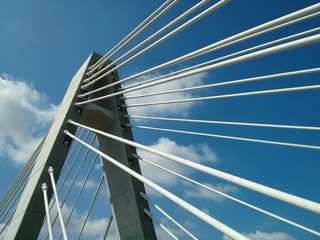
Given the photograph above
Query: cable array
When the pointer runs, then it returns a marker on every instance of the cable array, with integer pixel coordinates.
(145, 90)
(289, 19)
(92, 80)
(73, 189)
(9, 200)
(157, 88)
(202, 215)
(166, 215)
(297, 201)
(145, 24)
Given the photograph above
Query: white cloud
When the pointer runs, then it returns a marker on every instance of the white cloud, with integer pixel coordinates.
(181, 109)
(25, 117)
(202, 193)
(200, 153)
(94, 229)
(98, 165)
(258, 235)
(90, 184)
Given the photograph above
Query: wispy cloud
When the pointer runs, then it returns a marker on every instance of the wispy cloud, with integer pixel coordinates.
(90, 184)
(25, 117)
(198, 192)
(200, 153)
(94, 229)
(180, 109)
(258, 235)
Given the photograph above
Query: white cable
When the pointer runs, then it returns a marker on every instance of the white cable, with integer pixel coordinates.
(74, 160)
(282, 196)
(75, 175)
(70, 152)
(246, 57)
(277, 41)
(141, 27)
(167, 36)
(64, 232)
(172, 23)
(215, 60)
(230, 197)
(12, 202)
(69, 170)
(197, 212)
(149, 214)
(94, 196)
(244, 80)
(286, 20)
(46, 205)
(229, 137)
(258, 78)
(19, 181)
(144, 196)
(253, 32)
(226, 123)
(244, 94)
(15, 190)
(81, 189)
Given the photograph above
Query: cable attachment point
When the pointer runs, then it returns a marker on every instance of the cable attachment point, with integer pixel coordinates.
(67, 139)
(44, 186)
(79, 110)
(131, 161)
(148, 213)
(117, 88)
(124, 127)
(119, 107)
(89, 74)
(50, 170)
(136, 156)
(144, 196)
(112, 76)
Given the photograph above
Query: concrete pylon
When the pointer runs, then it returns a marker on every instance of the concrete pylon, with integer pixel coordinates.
(124, 191)
(126, 204)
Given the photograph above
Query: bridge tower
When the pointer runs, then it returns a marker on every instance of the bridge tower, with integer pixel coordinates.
(124, 191)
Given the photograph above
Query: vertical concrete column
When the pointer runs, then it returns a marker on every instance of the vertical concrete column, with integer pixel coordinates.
(124, 190)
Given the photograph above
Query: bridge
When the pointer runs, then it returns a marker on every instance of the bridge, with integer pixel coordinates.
(216, 142)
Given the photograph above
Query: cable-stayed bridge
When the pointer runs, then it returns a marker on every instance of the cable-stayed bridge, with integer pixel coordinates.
(254, 99)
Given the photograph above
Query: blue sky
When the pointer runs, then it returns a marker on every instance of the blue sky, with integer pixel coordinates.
(43, 43)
